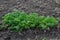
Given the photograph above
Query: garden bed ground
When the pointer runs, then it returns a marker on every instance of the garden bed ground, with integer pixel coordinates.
(33, 34)
(43, 7)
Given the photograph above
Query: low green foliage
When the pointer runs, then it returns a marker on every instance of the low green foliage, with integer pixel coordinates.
(47, 22)
(44, 38)
(18, 21)
(32, 19)
(1, 27)
(58, 18)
